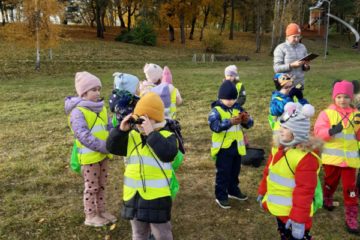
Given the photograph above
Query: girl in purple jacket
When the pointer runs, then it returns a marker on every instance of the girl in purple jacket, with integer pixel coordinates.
(90, 124)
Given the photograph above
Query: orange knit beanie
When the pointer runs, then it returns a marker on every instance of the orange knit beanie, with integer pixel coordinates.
(151, 105)
(292, 29)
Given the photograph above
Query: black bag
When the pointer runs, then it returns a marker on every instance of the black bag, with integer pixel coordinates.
(254, 157)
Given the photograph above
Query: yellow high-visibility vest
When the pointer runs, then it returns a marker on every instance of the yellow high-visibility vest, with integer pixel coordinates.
(238, 88)
(281, 182)
(343, 146)
(173, 104)
(97, 124)
(224, 139)
(144, 172)
(274, 121)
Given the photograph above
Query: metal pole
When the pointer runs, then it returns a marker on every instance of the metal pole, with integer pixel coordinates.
(327, 29)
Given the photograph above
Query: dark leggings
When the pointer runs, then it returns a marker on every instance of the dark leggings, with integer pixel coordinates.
(285, 234)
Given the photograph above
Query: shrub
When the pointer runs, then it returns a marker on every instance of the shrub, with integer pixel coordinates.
(213, 43)
(142, 34)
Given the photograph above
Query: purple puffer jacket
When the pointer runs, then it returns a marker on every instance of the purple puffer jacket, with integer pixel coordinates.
(79, 125)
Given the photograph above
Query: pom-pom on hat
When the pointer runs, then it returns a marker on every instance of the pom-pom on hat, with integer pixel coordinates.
(227, 90)
(293, 29)
(151, 105)
(125, 81)
(84, 81)
(153, 72)
(343, 87)
(231, 70)
(296, 118)
(166, 76)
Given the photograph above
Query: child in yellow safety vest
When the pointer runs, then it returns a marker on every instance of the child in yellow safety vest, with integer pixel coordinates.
(175, 97)
(339, 127)
(283, 83)
(290, 177)
(150, 149)
(90, 124)
(232, 75)
(226, 121)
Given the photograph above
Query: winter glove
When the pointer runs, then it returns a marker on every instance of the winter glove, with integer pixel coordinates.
(244, 116)
(297, 229)
(336, 129)
(235, 120)
(259, 200)
(296, 91)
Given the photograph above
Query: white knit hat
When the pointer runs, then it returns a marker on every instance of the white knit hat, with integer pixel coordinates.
(153, 72)
(296, 118)
(231, 70)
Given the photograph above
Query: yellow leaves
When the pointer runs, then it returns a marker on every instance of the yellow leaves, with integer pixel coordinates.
(112, 227)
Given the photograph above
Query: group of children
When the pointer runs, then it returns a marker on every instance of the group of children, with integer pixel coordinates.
(290, 188)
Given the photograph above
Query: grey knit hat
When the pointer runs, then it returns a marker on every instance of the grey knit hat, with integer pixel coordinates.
(296, 118)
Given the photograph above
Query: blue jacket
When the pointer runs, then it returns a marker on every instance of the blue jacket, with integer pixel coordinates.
(218, 125)
(277, 105)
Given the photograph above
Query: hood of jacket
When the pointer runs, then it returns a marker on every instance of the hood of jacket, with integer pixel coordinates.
(73, 102)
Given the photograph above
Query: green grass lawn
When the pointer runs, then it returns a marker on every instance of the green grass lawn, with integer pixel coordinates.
(40, 198)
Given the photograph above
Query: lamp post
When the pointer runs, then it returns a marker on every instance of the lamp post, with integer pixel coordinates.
(327, 27)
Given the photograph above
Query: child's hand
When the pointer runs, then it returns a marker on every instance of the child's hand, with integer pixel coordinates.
(244, 116)
(124, 125)
(147, 125)
(336, 129)
(235, 120)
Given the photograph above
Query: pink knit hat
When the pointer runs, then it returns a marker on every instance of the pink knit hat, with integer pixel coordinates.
(343, 87)
(85, 81)
(153, 72)
(166, 76)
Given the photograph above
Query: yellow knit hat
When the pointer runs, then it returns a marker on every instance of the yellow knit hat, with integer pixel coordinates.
(151, 105)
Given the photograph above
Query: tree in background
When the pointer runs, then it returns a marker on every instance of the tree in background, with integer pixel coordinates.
(35, 29)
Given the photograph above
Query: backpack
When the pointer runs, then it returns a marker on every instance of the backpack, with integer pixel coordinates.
(254, 157)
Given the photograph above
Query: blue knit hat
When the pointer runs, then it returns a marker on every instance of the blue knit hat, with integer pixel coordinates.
(125, 81)
(227, 90)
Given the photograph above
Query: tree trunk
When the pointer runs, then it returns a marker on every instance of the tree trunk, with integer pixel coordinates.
(99, 28)
(2, 14)
(182, 27)
(122, 22)
(223, 22)
(281, 25)
(171, 33)
(258, 29)
(193, 22)
(206, 14)
(129, 17)
(103, 13)
(231, 35)
(274, 26)
(37, 23)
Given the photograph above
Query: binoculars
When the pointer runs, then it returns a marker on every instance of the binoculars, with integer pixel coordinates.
(357, 118)
(133, 121)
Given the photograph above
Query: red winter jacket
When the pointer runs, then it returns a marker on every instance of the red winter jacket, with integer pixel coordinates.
(306, 181)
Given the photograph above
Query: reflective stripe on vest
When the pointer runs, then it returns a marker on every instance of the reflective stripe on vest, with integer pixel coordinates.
(97, 124)
(144, 172)
(238, 88)
(342, 147)
(173, 104)
(224, 139)
(281, 182)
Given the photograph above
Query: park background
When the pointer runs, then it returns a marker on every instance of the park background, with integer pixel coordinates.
(40, 198)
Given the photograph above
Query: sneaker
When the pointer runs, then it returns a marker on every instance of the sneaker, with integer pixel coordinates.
(223, 203)
(109, 217)
(351, 214)
(96, 221)
(240, 196)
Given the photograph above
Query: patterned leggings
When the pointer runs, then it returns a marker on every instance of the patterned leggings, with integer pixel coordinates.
(95, 176)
